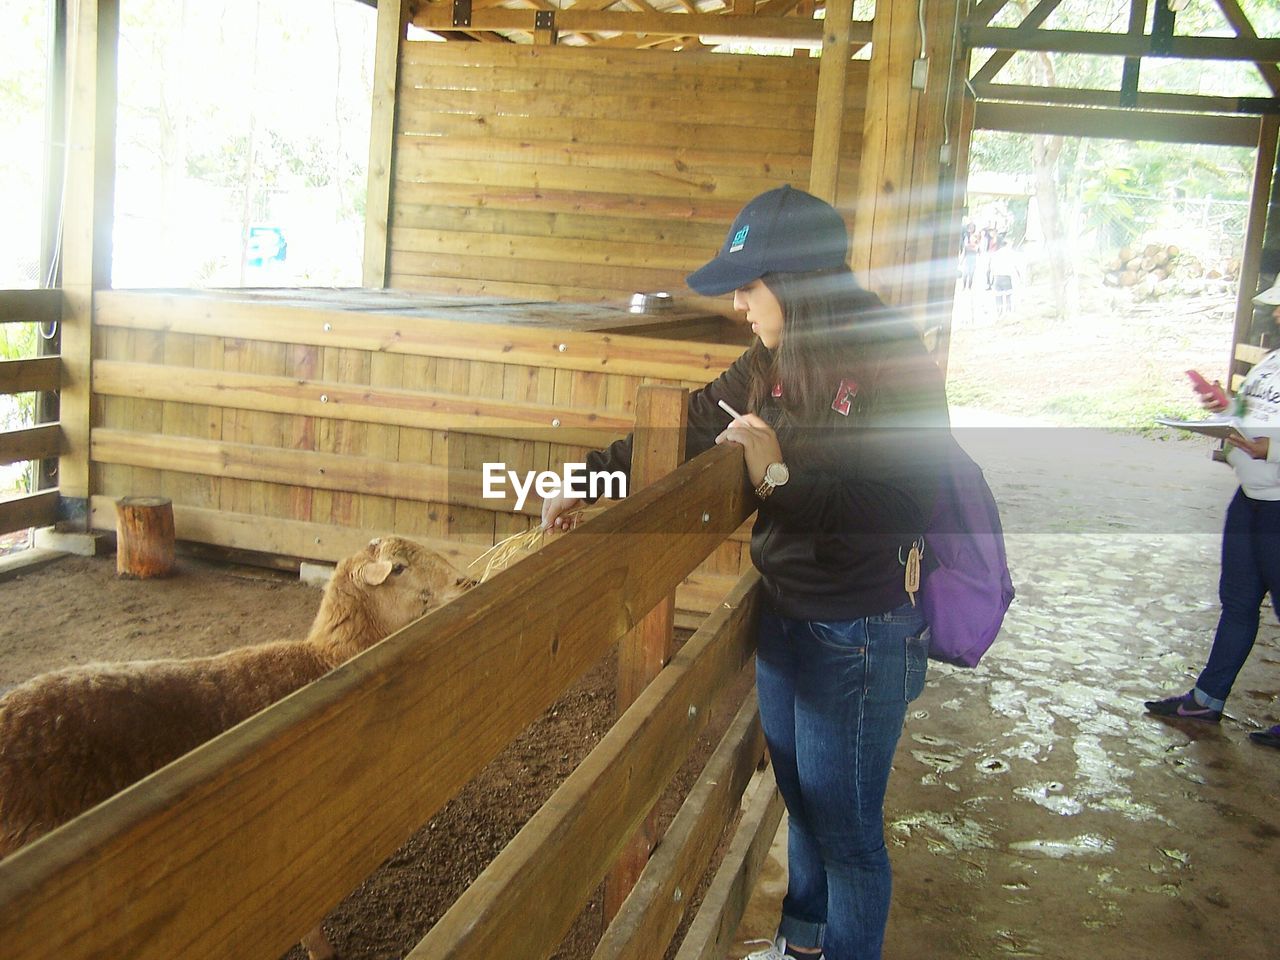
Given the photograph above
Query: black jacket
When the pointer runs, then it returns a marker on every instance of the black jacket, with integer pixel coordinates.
(831, 543)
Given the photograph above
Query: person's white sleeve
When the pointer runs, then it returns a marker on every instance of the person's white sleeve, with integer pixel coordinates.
(1273, 447)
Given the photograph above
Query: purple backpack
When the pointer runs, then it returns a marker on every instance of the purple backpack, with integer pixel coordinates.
(967, 588)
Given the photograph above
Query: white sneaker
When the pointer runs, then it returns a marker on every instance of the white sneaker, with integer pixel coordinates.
(775, 951)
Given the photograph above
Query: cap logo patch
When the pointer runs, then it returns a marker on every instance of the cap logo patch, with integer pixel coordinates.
(739, 239)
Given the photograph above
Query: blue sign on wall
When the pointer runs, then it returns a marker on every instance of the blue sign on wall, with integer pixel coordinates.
(266, 245)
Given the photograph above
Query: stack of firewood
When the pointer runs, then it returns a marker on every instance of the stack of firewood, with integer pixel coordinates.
(1157, 269)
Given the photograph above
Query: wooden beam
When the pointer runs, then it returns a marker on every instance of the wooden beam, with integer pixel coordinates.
(30, 306)
(658, 448)
(393, 17)
(32, 443)
(439, 20)
(699, 593)
(1264, 166)
(1117, 124)
(256, 807)
(652, 914)
(55, 154)
(416, 336)
(29, 376)
(1090, 97)
(828, 127)
(86, 235)
(357, 403)
(422, 482)
(1122, 45)
(1133, 65)
(526, 899)
(1239, 21)
(711, 932)
(881, 219)
(1038, 15)
(984, 12)
(30, 510)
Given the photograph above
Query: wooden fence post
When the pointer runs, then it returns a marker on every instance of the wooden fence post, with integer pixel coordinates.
(658, 448)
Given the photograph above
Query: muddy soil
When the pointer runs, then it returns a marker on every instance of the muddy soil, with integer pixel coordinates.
(1034, 810)
(76, 611)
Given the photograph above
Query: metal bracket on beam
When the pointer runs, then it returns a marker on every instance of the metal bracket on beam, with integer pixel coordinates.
(462, 13)
(544, 20)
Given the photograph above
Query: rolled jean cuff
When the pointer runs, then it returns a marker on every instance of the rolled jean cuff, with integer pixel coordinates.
(801, 933)
(1212, 703)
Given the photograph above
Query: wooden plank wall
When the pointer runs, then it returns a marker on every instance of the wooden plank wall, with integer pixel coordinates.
(567, 173)
(304, 431)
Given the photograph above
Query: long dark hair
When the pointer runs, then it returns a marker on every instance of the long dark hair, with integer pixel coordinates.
(833, 329)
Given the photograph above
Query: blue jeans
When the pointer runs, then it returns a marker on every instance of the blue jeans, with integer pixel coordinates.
(833, 697)
(1250, 568)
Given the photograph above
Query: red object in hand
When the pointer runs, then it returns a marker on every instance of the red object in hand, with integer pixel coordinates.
(1210, 391)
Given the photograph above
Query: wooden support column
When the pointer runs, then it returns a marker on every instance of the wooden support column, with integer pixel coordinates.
(881, 220)
(945, 131)
(55, 158)
(1264, 169)
(393, 17)
(658, 448)
(824, 168)
(86, 234)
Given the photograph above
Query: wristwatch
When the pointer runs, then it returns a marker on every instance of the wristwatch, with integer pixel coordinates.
(775, 475)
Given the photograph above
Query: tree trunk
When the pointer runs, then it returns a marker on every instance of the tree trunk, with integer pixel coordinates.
(144, 537)
(1045, 151)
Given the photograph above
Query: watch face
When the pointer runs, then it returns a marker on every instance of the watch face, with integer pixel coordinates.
(777, 474)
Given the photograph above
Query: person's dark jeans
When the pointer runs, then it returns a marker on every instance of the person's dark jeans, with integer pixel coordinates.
(1250, 568)
(833, 697)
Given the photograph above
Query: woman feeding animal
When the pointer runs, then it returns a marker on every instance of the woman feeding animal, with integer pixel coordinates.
(843, 439)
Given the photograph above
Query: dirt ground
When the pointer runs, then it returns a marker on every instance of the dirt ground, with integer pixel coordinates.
(1034, 810)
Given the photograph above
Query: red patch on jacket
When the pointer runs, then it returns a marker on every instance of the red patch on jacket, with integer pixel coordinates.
(843, 401)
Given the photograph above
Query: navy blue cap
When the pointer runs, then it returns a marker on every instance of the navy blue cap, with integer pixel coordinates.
(781, 231)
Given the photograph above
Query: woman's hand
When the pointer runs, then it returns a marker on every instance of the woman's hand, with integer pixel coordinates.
(1211, 403)
(758, 441)
(555, 512)
(1213, 400)
(1257, 448)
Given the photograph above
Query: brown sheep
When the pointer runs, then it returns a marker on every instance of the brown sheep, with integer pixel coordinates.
(72, 738)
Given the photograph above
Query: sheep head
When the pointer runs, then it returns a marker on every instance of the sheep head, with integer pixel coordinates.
(374, 592)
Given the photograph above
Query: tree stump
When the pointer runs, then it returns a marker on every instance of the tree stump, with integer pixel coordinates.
(144, 537)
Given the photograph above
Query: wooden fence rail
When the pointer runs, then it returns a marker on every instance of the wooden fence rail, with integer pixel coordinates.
(30, 306)
(239, 847)
(30, 375)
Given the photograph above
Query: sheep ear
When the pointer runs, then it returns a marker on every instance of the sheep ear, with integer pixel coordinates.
(374, 572)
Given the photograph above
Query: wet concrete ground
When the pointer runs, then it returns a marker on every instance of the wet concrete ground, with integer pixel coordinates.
(1034, 809)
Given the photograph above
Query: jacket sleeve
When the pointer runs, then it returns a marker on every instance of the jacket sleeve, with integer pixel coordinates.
(706, 420)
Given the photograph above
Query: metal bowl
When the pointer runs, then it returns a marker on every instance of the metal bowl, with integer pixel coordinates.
(650, 302)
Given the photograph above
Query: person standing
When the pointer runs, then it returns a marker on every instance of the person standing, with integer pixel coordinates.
(1250, 542)
(1004, 275)
(843, 441)
(969, 247)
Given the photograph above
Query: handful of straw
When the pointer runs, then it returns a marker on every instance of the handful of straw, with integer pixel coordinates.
(500, 556)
